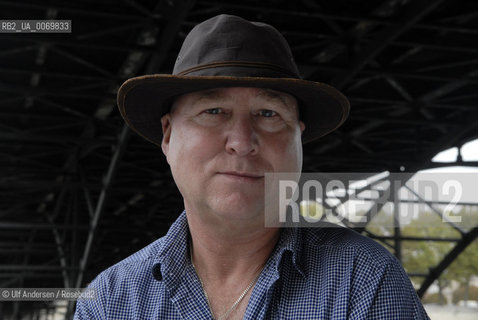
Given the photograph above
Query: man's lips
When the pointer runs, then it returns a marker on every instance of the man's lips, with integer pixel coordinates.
(243, 175)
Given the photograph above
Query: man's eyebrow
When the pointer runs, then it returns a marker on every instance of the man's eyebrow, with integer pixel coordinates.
(213, 95)
(275, 96)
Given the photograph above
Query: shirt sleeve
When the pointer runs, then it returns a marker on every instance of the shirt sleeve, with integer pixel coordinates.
(386, 293)
(94, 308)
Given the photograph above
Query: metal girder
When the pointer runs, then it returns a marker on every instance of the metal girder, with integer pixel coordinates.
(78, 45)
(60, 245)
(120, 148)
(83, 62)
(449, 258)
(34, 275)
(450, 86)
(135, 167)
(454, 133)
(62, 7)
(431, 67)
(44, 72)
(17, 50)
(377, 140)
(13, 267)
(37, 226)
(28, 91)
(414, 48)
(112, 30)
(452, 137)
(396, 103)
(450, 164)
(377, 20)
(34, 163)
(415, 11)
(63, 108)
(437, 47)
(358, 31)
(158, 57)
(40, 246)
(435, 210)
(25, 136)
(459, 203)
(391, 191)
(397, 233)
(404, 121)
(25, 115)
(26, 250)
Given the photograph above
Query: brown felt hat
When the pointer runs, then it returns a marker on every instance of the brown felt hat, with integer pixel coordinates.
(228, 51)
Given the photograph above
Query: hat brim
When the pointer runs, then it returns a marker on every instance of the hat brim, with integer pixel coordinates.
(143, 100)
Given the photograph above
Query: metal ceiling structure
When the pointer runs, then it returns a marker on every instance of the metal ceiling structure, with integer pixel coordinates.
(80, 192)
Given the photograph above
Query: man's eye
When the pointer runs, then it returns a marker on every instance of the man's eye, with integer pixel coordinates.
(267, 113)
(213, 111)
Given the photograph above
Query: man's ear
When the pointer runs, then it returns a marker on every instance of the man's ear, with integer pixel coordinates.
(302, 126)
(166, 127)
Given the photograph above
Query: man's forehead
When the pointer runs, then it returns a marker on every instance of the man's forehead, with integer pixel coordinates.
(221, 94)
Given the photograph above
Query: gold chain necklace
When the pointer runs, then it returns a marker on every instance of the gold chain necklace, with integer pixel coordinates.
(234, 305)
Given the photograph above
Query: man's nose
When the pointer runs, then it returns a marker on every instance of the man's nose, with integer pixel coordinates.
(241, 137)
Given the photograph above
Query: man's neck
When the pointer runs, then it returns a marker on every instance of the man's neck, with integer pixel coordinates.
(228, 257)
(231, 250)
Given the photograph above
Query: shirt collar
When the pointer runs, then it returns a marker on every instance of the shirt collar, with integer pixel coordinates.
(289, 246)
(173, 256)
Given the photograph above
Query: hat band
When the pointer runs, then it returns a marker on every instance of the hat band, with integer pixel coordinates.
(246, 64)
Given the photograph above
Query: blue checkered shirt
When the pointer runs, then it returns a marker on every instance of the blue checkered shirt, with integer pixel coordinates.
(319, 273)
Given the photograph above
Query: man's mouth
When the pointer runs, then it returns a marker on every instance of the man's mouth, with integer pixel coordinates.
(242, 175)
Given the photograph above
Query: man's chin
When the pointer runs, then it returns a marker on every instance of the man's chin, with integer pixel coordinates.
(240, 213)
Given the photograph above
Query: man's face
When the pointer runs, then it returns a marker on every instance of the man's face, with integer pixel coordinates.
(220, 143)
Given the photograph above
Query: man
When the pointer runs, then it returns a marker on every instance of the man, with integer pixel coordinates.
(234, 109)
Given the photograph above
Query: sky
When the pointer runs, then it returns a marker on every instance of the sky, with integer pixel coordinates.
(469, 152)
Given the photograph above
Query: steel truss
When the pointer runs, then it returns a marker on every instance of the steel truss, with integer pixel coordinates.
(80, 193)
